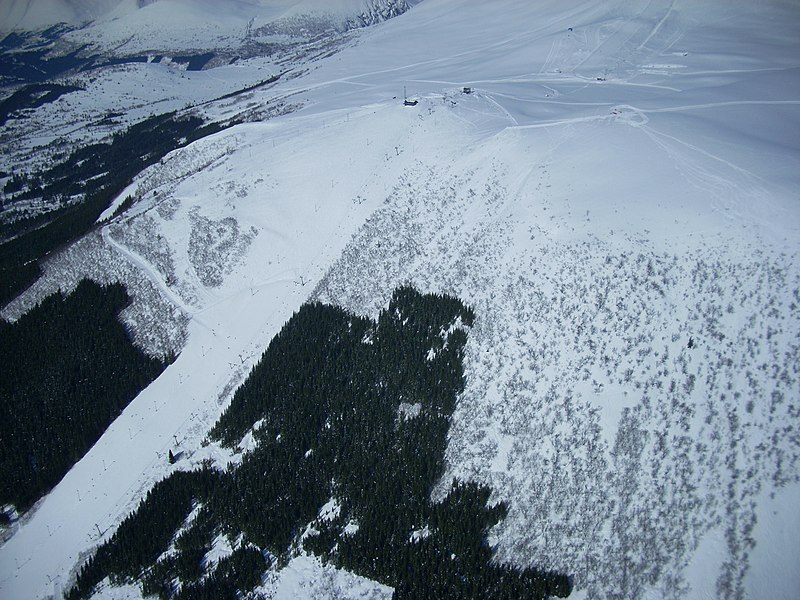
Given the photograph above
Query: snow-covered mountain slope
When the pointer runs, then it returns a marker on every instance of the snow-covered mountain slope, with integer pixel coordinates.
(133, 26)
(616, 197)
(133, 59)
(38, 14)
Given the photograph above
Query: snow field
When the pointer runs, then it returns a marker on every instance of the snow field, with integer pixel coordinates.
(618, 204)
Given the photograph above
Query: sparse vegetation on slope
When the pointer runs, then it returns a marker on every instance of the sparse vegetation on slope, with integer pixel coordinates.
(77, 191)
(625, 402)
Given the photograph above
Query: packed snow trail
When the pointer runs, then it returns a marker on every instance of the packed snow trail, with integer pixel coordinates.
(151, 273)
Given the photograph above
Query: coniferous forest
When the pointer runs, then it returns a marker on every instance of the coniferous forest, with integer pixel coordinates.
(67, 369)
(97, 173)
(348, 413)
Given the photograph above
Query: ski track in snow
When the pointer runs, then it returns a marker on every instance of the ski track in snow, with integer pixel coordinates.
(149, 272)
(632, 377)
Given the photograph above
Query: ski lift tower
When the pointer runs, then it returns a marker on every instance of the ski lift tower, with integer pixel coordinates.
(406, 101)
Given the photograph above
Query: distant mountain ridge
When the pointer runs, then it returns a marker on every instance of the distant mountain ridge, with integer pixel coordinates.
(38, 14)
(35, 14)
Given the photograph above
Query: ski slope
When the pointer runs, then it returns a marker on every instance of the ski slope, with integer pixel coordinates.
(617, 199)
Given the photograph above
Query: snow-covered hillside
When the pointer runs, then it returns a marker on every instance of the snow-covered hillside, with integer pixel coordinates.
(131, 26)
(125, 60)
(611, 186)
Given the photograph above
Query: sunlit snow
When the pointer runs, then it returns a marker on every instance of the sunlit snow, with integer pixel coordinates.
(612, 186)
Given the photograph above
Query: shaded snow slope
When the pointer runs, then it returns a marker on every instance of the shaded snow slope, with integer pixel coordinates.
(35, 14)
(617, 199)
(131, 26)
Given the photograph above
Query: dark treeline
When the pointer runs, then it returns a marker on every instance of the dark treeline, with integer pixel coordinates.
(67, 369)
(97, 173)
(22, 61)
(32, 96)
(347, 409)
(31, 57)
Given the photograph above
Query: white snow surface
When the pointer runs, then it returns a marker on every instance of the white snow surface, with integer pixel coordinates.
(131, 26)
(617, 198)
(305, 578)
